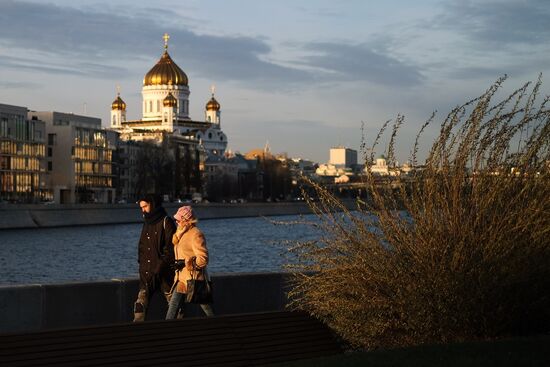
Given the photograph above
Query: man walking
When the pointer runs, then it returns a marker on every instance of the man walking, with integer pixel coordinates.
(155, 254)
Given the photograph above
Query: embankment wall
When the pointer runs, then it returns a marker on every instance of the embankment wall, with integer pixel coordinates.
(51, 306)
(42, 216)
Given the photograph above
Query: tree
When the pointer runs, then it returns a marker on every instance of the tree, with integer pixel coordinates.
(155, 168)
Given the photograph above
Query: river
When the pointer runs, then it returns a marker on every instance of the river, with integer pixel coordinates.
(55, 255)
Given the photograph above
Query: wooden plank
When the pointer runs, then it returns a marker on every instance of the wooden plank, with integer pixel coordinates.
(233, 340)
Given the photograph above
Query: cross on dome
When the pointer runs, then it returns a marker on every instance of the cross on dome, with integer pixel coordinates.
(166, 37)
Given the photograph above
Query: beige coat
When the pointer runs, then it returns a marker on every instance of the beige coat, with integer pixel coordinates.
(189, 242)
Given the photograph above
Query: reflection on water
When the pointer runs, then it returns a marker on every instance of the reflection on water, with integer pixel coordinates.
(110, 251)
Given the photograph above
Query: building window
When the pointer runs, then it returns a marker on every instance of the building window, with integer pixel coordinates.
(52, 139)
(50, 166)
(5, 163)
(4, 127)
(50, 152)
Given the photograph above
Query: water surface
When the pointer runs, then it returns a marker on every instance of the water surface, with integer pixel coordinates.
(53, 255)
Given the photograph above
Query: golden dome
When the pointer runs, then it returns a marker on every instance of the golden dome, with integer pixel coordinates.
(213, 105)
(259, 153)
(165, 72)
(170, 101)
(118, 104)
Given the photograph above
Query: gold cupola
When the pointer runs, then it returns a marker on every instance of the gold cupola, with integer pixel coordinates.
(118, 104)
(170, 101)
(165, 72)
(213, 105)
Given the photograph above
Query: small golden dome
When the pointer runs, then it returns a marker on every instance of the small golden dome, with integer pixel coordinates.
(165, 72)
(118, 104)
(259, 153)
(213, 105)
(170, 101)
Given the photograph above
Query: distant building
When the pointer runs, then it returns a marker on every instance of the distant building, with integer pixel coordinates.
(125, 169)
(380, 167)
(331, 170)
(250, 177)
(79, 157)
(22, 156)
(342, 157)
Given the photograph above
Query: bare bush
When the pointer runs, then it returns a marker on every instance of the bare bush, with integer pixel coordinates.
(458, 250)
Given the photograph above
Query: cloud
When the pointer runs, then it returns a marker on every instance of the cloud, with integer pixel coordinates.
(78, 68)
(499, 23)
(360, 63)
(19, 85)
(89, 40)
(94, 40)
(237, 59)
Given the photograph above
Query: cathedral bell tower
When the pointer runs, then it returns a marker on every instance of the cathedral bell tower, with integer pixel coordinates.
(169, 110)
(212, 110)
(118, 112)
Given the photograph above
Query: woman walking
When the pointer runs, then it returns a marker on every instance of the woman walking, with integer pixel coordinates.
(191, 256)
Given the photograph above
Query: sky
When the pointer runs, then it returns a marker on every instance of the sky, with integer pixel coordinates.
(300, 75)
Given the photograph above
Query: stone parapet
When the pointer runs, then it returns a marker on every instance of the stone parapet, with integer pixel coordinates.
(51, 306)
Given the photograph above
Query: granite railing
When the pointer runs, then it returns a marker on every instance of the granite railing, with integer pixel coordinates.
(51, 306)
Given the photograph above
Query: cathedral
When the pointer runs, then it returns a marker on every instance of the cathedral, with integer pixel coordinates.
(166, 121)
(165, 109)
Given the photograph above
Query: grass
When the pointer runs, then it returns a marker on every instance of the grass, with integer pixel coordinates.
(467, 256)
(532, 351)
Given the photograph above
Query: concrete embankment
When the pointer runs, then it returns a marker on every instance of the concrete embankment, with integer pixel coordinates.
(42, 216)
(51, 306)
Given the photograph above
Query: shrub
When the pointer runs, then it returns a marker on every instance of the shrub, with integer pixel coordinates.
(457, 250)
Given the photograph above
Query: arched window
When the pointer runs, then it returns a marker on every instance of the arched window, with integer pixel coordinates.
(150, 106)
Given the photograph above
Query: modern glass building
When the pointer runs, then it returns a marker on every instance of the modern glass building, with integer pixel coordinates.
(79, 158)
(23, 176)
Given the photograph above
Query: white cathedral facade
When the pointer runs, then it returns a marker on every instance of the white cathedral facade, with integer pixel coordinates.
(165, 109)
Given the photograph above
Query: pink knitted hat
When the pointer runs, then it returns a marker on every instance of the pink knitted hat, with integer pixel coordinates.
(184, 214)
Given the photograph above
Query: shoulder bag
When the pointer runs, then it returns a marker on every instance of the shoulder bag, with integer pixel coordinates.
(199, 290)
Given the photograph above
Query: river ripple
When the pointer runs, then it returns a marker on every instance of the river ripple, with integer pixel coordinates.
(53, 255)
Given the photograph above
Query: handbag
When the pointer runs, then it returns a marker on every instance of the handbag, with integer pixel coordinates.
(199, 290)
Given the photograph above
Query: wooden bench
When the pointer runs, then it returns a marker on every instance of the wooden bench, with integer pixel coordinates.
(233, 340)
